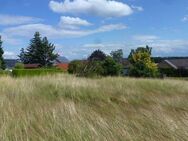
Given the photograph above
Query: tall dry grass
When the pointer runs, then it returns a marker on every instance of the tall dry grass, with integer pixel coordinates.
(67, 108)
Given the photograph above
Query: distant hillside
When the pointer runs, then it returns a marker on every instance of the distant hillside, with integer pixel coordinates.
(63, 59)
(10, 63)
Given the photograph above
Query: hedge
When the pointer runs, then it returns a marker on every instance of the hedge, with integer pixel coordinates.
(174, 73)
(34, 72)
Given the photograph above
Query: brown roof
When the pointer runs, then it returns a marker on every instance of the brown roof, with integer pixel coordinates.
(31, 66)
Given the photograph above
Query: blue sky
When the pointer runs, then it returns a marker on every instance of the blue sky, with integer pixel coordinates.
(77, 27)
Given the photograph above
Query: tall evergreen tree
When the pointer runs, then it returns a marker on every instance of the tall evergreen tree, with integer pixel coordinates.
(40, 51)
(2, 61)
(22, 55)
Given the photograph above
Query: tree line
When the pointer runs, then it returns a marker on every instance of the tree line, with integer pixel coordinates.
(41, 51)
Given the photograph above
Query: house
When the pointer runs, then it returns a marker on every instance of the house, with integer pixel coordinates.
(174, 67)
(126, 66)
(174, 64)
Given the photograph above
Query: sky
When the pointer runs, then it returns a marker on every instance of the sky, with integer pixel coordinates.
(78, 27)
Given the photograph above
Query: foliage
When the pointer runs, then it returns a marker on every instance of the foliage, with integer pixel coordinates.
(2, 61)
(34, 72)
(111, 67)
(117, 55)
(75, 67)
(98, 64)
(169, 72)
(39, 51)
(93, 69)
(97, 55)
(19, 66)
(142, 65)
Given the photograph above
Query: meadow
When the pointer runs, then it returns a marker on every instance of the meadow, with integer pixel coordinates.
(68, 108)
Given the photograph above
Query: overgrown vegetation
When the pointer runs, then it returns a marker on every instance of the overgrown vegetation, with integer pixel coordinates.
(63, 107)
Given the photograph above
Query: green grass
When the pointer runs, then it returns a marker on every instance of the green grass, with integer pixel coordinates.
(66, 108)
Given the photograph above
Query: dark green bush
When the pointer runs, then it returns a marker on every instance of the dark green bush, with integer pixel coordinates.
(34, 72)
(174, 73)
(75, 67)
(111, 67)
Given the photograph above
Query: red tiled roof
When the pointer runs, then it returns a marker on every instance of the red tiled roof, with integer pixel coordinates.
(63, 66)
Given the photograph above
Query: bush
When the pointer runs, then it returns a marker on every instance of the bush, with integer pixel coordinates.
(19, 66)
(34, 72)
(92, 69)
(111, 67)
(76, 67)
(174, 73)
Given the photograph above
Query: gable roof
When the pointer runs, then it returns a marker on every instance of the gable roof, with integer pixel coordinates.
(177, 63)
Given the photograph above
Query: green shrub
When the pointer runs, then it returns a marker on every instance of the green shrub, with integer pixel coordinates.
(34, 72)
(19, 66)
(92, 69)
(111, 67)
(76, 67)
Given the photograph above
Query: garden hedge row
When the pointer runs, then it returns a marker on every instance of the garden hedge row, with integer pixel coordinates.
(34, 72)
(174, 73)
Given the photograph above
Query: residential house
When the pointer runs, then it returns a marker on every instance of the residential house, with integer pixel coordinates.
(174, 67)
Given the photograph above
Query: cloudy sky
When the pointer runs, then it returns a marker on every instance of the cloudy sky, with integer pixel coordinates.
(77, 27)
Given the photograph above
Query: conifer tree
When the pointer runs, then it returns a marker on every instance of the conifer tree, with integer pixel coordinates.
(2, 61)
(40, 51)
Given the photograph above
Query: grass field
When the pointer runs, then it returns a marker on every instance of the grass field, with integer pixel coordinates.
(67, 108)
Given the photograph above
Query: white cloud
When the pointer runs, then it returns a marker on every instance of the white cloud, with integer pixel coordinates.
(145, 38)
(9, 40)
(53, 32)
(185, 18)
(72, 23)
(103, 8)
(9, 55)
(137, 8)
(17, 20)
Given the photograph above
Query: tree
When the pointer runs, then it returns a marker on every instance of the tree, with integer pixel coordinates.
(93, 69)
(22, 55)
(117, 55)
(142, 65)
(97, 55)
(111, 67)
(40, 51)
(2, 61)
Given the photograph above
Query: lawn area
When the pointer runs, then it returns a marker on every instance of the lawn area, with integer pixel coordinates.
(67, 108)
